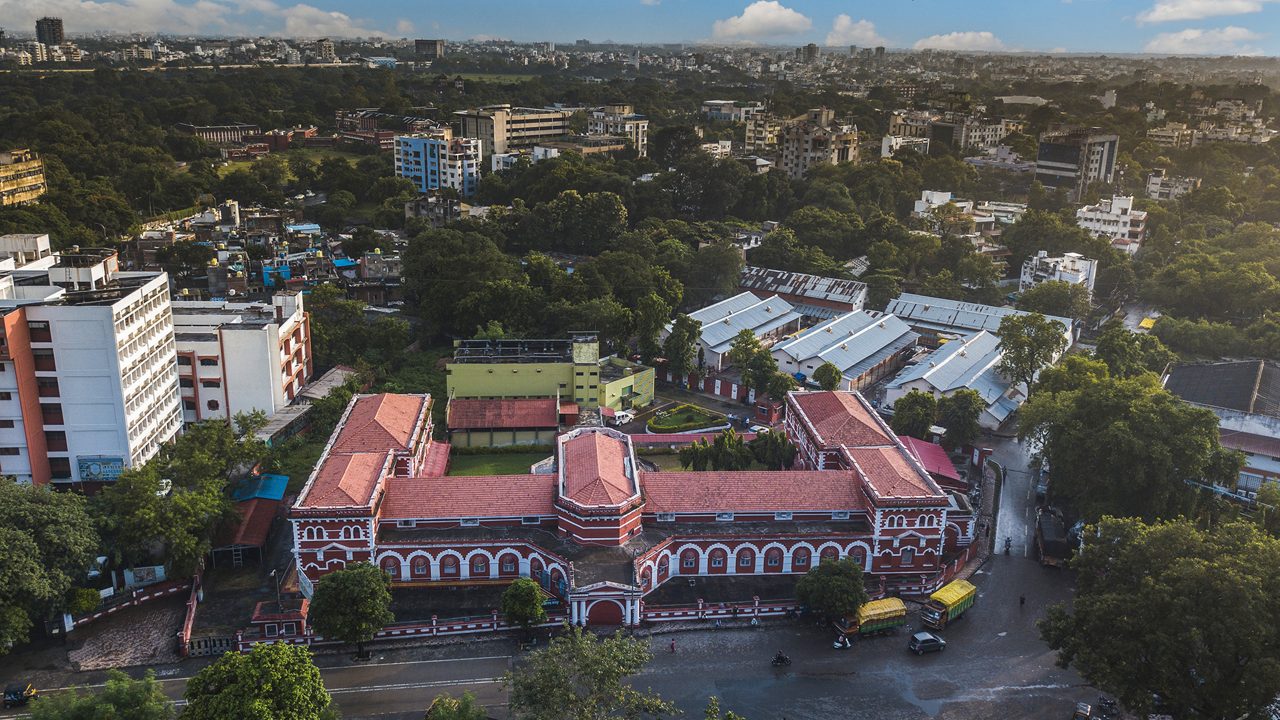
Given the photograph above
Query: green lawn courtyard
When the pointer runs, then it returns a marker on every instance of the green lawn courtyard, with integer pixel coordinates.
(495, 464)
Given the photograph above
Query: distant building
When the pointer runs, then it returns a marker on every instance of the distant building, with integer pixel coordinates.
(503, 127)
(1174, 135)
(1116, 220)
(939, 320)
(864, 346)
(810, 53)
(88, 386)
(1001, 157)
(1245, 396)
(621, 120)
(21, 178)
(731, 110)
(813, 296)
(1073, 159)
(1163, 186)
(428, 49)
(49, 31)
(1072, 268)
(219, 134)
(764, 133)
(968, 364)
(325, 51)
(768, 319)
(816, 139)
(437, 160)
(891, 145)
(240, 357)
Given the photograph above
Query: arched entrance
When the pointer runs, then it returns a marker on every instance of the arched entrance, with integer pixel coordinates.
(604, 612)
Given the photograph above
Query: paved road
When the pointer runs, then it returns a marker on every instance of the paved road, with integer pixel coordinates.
(1016, 519)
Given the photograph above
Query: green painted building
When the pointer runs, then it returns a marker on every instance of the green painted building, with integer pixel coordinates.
(571, 370)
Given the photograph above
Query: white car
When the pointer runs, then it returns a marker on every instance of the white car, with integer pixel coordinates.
(622, 417)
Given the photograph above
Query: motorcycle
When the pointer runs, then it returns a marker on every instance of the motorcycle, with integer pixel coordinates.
(842, 643)
(780, 660)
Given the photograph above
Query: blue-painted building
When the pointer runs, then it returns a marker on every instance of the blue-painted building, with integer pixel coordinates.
(436, 160)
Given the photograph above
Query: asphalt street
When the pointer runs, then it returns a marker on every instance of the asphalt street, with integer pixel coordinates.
(995, 665)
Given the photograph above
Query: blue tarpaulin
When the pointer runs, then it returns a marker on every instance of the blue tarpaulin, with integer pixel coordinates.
(266, 486)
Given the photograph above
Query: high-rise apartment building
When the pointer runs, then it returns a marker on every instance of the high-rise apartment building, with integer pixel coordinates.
(88, 385)
(240, 357)
(21, 177)
(816, 139)
(325, 51)
(435, 160)
(49, 31)
(618, 119)
(502, 128)
(428, 49)
(1074, 158)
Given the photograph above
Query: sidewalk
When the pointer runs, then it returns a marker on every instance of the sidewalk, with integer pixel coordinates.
(986, 523)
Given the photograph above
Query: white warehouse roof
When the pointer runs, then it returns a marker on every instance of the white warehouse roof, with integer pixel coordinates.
(725, 319)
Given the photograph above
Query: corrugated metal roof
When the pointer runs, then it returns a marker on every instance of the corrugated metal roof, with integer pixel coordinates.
(969, 363)
(724, 320)
(954, 314)
(768, 280)
(853, 342)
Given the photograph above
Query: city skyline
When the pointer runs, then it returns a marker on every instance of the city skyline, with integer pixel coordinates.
(1196, 27)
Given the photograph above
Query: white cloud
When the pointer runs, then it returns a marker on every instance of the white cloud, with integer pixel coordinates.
(650, 2)
(1169, 10)
(404, 27)
(1230, 40)
(846, 31)
(971, 40)
(201, 17)
(761, 19)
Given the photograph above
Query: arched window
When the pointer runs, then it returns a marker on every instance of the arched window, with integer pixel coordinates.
(479, 566)
(800, 558)
(449, 565)
(773, 558)
(908, 556)
(391, 567)
(419, 567)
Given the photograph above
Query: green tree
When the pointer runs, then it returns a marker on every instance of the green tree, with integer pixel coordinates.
(713, 711)
(773, 450)
(1124, 447)
(743, 349)
(729, 452)
(779, 384)
(833, 589)
(1029, 343)
(680, 347)
(828, 376)
(352, 604)
(522, 603)
(959, 413)
(46, 543)
(582, 677)
(914, 413)
(1174, 612)
(650, 316)
(122, 698)
(1128, 354)
(1056, 297)
(445, 707)
(271, 682)
(696, 455)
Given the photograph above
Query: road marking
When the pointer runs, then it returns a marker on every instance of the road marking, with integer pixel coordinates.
(414, 686)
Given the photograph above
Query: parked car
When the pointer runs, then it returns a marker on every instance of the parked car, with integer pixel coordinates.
(924, 642)
(622, 417)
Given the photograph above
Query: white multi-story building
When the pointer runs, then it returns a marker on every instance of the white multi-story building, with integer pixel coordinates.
(1163, 186)
(1174, 135)
(240, 357)
(1071, 268)
(731, 110)
(88, 385)
(621, 120)
(890, 145)
(1116, 220)
(815, 138)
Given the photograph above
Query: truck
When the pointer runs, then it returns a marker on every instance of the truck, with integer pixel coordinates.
(874, 618)
(948, 604)
(1052, 543)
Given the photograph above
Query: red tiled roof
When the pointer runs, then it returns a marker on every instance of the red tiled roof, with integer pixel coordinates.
(255, 523)
(1249, 442)
(569, 408)
(841, 419)
(750, 491)
(379, 423)
(595, 470)
(478, 496)
(345, 480)
(932, 456)
(468, 414)
(891, 474)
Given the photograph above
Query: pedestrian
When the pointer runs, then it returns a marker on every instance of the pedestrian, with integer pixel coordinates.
(1022, 601)
(673, 645)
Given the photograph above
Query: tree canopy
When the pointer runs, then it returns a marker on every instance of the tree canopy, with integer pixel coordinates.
(1029, 343)
(275, 681)
(351, 604)
(1174, 619)
(833, 589)
(582, 677)
(522, 603)
(122, 698)
(914, 413)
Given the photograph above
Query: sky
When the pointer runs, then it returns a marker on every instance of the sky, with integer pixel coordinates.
(1211, 27)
